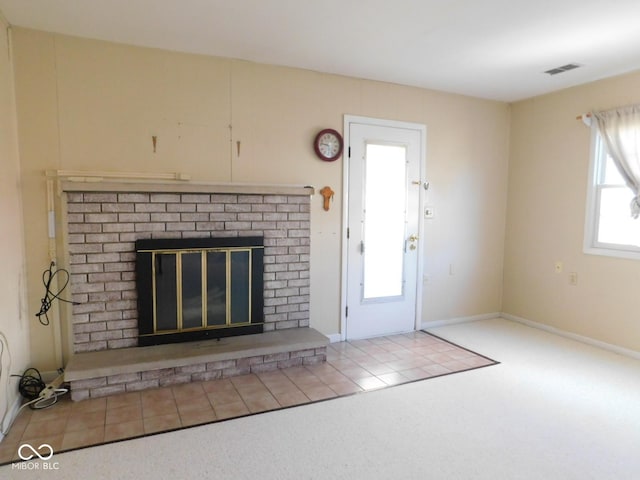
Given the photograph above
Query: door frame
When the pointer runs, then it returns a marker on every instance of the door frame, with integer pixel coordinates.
(379, 122)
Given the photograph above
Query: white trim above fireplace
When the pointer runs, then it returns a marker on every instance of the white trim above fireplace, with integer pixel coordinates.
(83, 185)
(77, 181)
(107, 179)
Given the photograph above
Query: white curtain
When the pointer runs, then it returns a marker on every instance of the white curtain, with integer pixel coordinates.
(620, 130)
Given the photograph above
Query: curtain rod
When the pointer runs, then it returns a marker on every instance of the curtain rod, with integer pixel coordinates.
(585, 118)
(588, 115)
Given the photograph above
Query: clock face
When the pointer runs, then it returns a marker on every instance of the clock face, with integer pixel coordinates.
(328, 145)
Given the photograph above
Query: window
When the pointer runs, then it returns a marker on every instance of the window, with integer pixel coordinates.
(610, 228)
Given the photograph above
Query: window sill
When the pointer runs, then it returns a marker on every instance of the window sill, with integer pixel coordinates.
(612, 252)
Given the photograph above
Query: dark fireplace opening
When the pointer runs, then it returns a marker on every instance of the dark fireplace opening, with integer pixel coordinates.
(200, 288)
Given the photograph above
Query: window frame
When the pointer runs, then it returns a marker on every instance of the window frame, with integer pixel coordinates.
(592, 246)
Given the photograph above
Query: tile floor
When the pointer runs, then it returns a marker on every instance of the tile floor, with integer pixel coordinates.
(351, 367)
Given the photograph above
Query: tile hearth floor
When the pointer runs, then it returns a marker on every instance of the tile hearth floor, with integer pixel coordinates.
(351, 367)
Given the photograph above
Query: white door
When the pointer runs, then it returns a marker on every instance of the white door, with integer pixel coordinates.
(384, 174)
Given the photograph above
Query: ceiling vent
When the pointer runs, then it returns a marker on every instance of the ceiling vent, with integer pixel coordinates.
(562, 69)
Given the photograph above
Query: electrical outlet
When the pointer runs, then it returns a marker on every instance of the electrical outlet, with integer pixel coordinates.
(573, 278)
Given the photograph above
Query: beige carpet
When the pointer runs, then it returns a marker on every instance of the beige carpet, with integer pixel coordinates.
(351, 367)
(553, 409)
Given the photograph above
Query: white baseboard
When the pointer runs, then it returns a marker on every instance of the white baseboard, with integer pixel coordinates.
(454, 321)
(573, 336)
(335, 337)
(10, 416)
(338, 337)
(12, 411)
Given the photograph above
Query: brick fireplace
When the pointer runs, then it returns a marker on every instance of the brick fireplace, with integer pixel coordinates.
(102, 225)
(103, 228)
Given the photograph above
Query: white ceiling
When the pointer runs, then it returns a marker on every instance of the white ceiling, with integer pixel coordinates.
(495, 49)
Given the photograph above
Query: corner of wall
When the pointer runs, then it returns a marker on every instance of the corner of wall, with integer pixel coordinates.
(14, 329)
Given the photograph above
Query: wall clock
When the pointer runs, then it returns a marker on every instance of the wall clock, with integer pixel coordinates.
(328, 145)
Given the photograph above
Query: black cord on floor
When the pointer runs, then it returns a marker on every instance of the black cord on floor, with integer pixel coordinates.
(30, 387)
(47, 279)
(36, 391)
(31, 383)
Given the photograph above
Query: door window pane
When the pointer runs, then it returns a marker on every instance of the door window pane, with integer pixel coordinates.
(384, 225)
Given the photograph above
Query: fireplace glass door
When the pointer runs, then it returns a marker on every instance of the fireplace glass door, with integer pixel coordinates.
(199, 289)
(214, 289)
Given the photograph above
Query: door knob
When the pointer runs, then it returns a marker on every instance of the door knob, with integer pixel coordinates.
(412, 241)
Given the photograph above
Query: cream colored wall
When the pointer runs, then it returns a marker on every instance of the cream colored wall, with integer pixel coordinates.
(546, 215)
(92, 105)
(14, 325)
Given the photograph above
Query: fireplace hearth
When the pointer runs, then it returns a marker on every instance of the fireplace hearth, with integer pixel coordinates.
(195, 289)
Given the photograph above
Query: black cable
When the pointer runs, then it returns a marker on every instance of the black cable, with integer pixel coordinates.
(45, 303)
(31, 387)
(31, 384)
